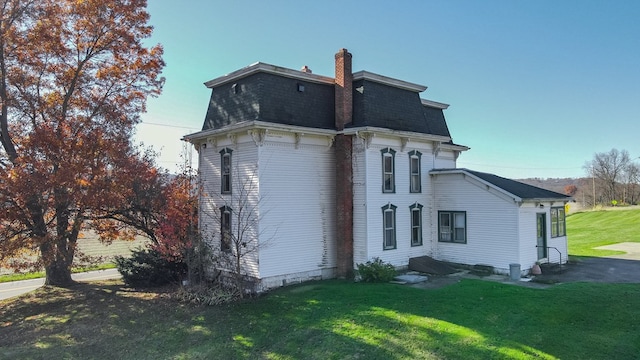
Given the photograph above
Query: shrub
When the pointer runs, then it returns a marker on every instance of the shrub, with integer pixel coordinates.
(376, 270)
(148, 267)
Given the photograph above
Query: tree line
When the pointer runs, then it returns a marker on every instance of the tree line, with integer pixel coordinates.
(613, 179)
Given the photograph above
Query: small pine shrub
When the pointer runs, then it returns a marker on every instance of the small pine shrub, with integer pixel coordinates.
(148, 268)
(376, 270)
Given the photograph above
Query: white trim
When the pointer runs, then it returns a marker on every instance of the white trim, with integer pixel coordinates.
(408, 134)
(434, 104)
(250, 125)
(366, 75)
(270, 69)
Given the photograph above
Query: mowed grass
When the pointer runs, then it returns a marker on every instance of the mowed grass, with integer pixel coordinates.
(471, 319)
(588, 230)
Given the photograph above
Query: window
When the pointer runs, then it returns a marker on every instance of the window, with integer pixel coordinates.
(225, 228)
(557, 222)
(452, 226)
(416, 224)
(414, 171)
(388, 166)
(225, 170)
(389, 225)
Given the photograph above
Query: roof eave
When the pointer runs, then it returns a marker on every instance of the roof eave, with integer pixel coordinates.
(434, 104)
(270, 69)
(366, 75)
(255, 124)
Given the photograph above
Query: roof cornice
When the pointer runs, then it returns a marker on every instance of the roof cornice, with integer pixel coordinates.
(434, 104)
(398, 133)
(365, 75)
(256, 124)
(270, 69)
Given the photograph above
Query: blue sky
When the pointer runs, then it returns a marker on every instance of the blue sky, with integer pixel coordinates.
(535, 87)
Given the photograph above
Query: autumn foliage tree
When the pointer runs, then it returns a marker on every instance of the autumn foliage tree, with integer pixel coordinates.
(74, 79)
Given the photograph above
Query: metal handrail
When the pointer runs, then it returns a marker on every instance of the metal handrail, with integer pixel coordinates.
(554, 248)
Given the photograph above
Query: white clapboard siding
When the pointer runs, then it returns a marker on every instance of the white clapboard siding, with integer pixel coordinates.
(297, 201)
(360, 210)
(245, 192)
(492, 222)
(528, 236)
(369, 200)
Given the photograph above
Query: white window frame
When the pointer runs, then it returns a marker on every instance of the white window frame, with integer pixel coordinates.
(415, 176)
(225, 171)
(451, 233)
(558, 222)
(389, 227)
(225, 228)
(416, 228)
(388, 174)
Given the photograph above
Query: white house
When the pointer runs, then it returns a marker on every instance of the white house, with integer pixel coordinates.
(316, 174)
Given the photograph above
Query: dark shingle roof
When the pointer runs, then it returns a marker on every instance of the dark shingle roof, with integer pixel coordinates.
(521, 190)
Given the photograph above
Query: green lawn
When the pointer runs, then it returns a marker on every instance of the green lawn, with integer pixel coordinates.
(587, 230)
(472, 319)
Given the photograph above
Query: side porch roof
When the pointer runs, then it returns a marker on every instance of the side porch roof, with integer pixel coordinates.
(520, 192)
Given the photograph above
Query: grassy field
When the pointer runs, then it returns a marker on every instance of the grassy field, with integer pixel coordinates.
(90, 246)
(587, 230)
(471, 319)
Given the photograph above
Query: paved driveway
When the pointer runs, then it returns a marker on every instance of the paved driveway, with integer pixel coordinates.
(623, 268)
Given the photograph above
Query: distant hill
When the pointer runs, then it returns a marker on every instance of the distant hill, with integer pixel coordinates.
(557, 185)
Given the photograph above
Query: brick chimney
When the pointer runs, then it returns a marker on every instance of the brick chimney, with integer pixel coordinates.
(343, 159)
(344, 88)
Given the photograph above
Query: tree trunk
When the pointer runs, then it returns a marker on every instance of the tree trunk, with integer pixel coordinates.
(58, 274)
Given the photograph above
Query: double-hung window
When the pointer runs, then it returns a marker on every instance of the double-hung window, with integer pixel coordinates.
(452, 226)
(225, 228)
(416, 224)
(558, 227)
(389, 226)
(414, 171)
(388, 171)
(225, 170)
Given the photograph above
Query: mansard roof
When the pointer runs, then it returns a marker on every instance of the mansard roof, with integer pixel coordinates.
(268, 93)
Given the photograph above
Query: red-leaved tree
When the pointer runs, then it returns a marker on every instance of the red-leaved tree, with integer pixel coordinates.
(74, 79)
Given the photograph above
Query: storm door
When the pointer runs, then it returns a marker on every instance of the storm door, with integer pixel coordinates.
(542, 235)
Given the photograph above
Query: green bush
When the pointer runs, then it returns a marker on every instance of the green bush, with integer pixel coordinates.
(149, 268)
(376, 270)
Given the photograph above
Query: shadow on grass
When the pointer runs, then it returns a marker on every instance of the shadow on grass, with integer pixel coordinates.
(327, 320)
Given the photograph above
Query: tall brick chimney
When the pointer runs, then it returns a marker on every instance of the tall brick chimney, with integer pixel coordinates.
(343, 159)
(344, 89)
